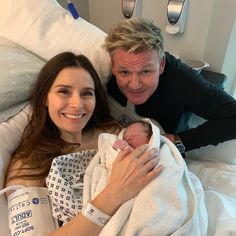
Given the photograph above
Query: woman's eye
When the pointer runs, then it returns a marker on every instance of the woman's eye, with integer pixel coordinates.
(64, 91)
(87, 93)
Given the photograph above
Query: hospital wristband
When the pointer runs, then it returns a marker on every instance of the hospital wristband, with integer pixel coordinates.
(95, 215)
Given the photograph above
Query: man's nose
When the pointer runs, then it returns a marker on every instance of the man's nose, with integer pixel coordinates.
(134, 82)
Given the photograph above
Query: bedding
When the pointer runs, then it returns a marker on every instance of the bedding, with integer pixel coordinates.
(18, 71)
(10, 136)
(47, 29)
(223, 152)
(219, 182)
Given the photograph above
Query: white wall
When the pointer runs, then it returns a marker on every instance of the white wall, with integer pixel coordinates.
(229, 64)
(104, 13)
(221, 43)
(208, 30)
(82, 7)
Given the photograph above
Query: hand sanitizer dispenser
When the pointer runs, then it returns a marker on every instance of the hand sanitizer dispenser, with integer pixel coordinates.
(131, 8)
(176, 16)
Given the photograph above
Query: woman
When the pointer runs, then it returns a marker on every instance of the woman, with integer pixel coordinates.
(69, 111)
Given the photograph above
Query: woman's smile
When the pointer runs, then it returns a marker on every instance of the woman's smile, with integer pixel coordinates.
(73, 116)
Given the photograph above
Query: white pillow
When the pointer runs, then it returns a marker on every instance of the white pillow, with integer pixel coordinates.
(223, 152)
(46, 28)
(10, 136)
(19, 69)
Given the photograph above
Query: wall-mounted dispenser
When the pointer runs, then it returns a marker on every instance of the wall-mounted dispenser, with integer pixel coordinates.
(131, 8)
(176, 16)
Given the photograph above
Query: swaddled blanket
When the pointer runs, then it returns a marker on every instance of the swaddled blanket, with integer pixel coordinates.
(171, 204)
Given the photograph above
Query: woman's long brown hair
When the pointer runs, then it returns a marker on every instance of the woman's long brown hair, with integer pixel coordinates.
(41, 140)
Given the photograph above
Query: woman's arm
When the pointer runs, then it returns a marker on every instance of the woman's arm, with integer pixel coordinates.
(16, 168)
(131, 172)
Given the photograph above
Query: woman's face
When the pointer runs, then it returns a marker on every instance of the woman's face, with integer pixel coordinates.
(71, 102)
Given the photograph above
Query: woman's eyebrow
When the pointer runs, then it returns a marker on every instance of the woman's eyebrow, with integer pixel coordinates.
(69, 86)
(62, 85)
(89, 88)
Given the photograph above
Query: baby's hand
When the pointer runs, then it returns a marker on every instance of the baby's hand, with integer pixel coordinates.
(120, 144)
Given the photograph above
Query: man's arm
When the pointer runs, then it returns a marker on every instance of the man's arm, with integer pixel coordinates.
(218, 108)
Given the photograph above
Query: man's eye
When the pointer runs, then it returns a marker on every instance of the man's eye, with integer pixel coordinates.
(124, 72)
(144, 72)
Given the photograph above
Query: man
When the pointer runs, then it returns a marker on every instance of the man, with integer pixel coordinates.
(161, 87)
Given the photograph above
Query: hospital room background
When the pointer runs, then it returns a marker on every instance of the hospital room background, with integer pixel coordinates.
(209, 36)
(207, 43)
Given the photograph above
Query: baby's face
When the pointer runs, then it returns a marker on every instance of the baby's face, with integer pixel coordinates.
(136, 135)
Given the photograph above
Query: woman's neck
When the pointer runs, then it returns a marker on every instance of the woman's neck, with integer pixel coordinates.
(71, 138)
(87, 139)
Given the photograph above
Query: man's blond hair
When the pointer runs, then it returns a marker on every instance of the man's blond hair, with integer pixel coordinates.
(134, 35)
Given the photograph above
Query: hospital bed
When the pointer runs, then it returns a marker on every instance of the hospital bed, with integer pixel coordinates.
(31, 32)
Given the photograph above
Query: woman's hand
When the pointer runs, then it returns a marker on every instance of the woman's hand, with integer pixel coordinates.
(132, 171)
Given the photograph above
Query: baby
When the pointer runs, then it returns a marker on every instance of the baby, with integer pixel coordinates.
(164, 200)
(136, 134)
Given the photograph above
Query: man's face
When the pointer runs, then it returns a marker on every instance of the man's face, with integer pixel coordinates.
(137, 74)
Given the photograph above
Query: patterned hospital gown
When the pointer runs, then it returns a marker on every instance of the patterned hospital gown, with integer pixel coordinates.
(65, 183)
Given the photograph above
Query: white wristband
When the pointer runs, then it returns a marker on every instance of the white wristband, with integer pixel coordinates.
(95, 215)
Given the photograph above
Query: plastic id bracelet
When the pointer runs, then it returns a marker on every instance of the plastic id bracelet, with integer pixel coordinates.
(95, 215)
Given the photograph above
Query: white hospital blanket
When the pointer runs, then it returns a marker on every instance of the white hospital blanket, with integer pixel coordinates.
(219, 182)
(173, 203)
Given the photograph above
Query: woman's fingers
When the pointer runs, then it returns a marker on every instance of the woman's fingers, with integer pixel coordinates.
(136, 167)
(133, 170)
(150, 164)
(149, 155)
(154, 172)
(141, 159)
(134, 154)
(147, 166)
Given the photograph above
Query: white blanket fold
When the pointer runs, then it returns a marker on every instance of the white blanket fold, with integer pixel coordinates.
(172, 204)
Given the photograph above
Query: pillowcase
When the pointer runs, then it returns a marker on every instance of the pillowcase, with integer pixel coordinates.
(46, 28)
(18, 71)
(12, 111)
(10, 136)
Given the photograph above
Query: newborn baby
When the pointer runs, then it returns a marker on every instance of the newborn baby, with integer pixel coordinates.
(136, 134)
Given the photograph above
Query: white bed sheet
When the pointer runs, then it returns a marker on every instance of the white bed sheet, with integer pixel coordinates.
(219, 183)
